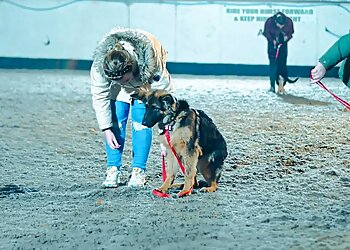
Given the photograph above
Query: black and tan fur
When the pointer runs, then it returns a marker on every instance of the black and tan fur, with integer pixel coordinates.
(194, 136)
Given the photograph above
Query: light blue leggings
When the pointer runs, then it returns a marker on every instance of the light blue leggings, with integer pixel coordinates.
(141, 135)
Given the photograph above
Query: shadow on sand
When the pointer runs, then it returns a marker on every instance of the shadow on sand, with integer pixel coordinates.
(302, 100)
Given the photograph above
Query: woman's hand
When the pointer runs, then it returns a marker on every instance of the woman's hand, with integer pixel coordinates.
(318, 72)
(111, 139)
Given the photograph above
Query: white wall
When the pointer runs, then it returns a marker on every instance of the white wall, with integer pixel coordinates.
(197, 33)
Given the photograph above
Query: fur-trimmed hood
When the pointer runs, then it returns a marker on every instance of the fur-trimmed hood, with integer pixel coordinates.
(150, 53)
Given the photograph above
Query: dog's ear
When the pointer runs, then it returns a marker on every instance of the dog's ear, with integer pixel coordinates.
(145, 88)
(141, 93)
(137, 95)
(168, 100)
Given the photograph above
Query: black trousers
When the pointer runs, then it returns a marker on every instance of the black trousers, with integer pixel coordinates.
(277, 66)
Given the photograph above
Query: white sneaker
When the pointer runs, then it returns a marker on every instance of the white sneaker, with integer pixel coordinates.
(138, 178)
(112, 178)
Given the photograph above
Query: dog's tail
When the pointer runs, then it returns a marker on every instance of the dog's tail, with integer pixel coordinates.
(292, 81)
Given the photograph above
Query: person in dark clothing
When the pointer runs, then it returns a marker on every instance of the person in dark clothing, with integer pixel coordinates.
(278, 30)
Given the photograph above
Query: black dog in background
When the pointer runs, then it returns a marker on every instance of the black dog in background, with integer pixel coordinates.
(280, 68)
(281, 81)
(197, 141)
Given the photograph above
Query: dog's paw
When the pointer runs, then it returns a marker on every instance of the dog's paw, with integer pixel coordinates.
(184, 193)
(209, 189)
(160, 194)
(281, 92)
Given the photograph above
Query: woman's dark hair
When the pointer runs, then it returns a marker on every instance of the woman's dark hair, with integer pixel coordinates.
(280, 18)
(117, 63)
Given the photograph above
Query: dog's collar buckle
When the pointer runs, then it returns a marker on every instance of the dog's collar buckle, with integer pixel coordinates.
(165, 129)
(168, 127)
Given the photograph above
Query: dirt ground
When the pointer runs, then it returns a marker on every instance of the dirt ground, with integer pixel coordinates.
(285, 184)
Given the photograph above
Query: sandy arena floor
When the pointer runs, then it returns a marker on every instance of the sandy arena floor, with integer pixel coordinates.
(285, 184)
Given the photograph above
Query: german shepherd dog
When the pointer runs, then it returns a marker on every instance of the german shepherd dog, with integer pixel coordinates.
(196, 140)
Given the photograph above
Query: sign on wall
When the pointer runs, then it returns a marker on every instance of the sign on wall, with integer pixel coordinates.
(260, 14)
(222, 32)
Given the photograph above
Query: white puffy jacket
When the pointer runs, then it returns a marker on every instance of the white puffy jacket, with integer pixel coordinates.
(151, 60)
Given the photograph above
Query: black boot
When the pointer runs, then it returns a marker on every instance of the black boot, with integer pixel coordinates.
(272, 87)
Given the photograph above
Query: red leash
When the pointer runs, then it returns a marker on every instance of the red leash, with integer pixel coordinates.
(167, 136)
(157, 192)
(163, 168)
(278, 50)
(346, 104)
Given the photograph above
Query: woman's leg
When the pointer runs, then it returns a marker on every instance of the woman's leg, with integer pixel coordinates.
(272, 73)
(120, 112)
(141, 136)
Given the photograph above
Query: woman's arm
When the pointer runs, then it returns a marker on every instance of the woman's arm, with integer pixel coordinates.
(100, 90)
(336, 53)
